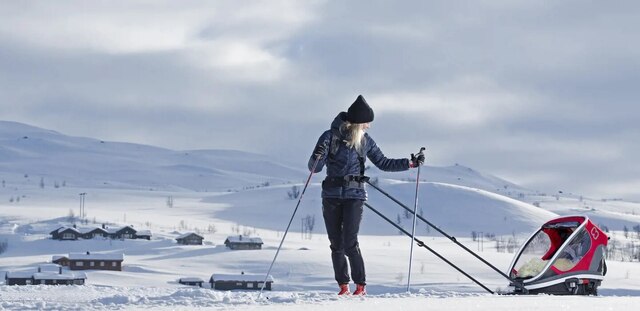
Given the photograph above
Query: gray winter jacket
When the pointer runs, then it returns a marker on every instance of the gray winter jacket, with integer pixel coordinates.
(345, 161)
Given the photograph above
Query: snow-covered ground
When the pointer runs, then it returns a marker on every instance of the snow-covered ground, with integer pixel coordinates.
(457, 199)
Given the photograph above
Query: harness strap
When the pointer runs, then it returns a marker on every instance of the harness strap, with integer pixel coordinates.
(349, 181)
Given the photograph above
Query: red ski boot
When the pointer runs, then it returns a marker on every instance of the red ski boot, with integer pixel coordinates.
(344, 290)
(360, 291)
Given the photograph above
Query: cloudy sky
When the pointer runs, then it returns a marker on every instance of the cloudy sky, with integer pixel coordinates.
(543, 93)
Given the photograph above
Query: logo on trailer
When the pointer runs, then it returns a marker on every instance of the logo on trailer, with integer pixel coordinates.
(595, 233)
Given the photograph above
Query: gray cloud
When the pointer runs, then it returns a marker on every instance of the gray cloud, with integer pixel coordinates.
(541, 93)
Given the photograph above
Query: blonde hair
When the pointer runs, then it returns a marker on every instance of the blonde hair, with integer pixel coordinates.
(355, 135)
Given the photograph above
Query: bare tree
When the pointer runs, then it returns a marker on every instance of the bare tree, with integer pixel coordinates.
(71, 217)
(308, 223)
(212, 229)
(170, 201)
(3, 246)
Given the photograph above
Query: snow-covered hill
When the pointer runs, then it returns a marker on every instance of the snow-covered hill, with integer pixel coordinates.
(456, 209)
(222, 193)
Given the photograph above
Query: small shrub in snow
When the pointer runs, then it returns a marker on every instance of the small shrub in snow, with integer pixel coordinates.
(294, 193)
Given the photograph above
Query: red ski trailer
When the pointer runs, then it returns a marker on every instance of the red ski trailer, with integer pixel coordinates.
(564, 257)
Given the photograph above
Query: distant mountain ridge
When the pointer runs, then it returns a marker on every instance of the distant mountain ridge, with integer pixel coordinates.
(39, 153)
(87, 162)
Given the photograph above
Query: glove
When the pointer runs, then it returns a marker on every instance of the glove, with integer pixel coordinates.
(416, 160)
(320, 151)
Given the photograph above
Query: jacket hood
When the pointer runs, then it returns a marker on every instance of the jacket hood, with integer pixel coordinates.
(337, 123)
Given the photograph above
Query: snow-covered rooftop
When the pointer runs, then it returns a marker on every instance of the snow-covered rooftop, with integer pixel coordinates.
(62, 229)
(241, 277)
(66, 275)
(244, 239)
(182, 236)
(143, 232)
(85, 230)
(50, 267)
(48, 275)
(20, 274)
(115, 230)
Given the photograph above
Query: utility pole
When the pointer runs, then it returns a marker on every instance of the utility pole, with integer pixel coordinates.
(82, 211)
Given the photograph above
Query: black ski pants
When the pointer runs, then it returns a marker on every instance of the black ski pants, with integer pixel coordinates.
(342, 218)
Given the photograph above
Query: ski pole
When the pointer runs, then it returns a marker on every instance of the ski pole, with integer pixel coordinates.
(421, 244)
(289, 225)
(413, 231)
(451, 238)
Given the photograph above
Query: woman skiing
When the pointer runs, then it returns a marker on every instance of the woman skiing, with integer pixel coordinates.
(344, 149)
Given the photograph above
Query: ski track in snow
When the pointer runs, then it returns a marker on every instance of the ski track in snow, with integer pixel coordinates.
(70, 298)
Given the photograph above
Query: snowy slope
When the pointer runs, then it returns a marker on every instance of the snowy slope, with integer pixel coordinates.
(303, 272)
(457, 199)
(455, 209)
(458, 175)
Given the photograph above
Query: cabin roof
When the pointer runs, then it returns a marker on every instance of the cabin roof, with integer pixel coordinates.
(66, 275)
(182, 236)
(116, 230)
(99, 229)
(240, 277)
(96, 256)
(191, 279)
(49, 267)
(20, 274)
(64, 229)
(143, 232)
(243, 240)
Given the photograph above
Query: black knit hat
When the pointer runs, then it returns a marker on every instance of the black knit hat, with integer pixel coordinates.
(359, 111)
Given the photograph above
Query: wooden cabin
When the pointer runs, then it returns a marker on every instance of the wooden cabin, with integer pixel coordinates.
(143, 234)
(18, 278)
(65, 233)
(126, 232)
(190, 238)
(95, 233)
(95, 261)
(240, 281)
(120, 233)
(243, 242)
(60, 260)
(191, 281)
(49, 274)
